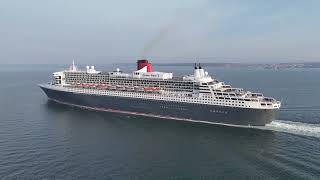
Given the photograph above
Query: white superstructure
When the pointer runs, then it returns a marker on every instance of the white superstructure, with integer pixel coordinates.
(144, 83)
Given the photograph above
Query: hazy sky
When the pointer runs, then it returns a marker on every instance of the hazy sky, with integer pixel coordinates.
(102, 31)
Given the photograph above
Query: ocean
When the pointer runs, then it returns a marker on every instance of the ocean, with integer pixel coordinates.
(40, 139)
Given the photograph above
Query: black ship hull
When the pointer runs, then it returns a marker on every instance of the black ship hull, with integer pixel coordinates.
(165, 109)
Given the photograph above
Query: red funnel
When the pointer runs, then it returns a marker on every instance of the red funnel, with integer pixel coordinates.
(142, 63)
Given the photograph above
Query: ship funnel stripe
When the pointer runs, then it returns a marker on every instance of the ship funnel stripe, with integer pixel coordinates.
(142, 63)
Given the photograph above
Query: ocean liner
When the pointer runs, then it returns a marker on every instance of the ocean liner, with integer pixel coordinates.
(196, 97)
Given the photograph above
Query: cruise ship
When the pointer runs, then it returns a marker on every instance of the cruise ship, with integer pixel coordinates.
(196, 97)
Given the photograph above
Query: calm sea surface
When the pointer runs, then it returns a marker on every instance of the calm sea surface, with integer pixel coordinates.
(45, 140)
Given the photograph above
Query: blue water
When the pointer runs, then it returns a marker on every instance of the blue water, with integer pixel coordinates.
(45, 140)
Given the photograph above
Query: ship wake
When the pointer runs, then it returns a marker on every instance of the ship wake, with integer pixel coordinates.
(291, 127)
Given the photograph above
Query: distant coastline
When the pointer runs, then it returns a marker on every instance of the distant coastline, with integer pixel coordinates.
(252, 65)
(275, 66)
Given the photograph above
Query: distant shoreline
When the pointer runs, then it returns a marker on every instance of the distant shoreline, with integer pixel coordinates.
(287, 65)
(251, 65)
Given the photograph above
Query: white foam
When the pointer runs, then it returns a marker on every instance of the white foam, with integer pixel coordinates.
(298, 128)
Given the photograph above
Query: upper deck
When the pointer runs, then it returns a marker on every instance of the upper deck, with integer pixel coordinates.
(200, 83)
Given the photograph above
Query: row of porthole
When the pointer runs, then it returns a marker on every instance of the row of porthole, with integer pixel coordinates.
(119, 93)
(106, 79)
(81, 78)
(169, 88)
(141, 96)
(207, 99)
(183, 100)
(116, 79)
(125, 82)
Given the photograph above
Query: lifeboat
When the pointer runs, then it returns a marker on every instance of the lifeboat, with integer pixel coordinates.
(130, 88)
(139, 89)
(92, 85)
(106, 86)
(101, 86)
(151, 89)
(121, 88)
(112, 87)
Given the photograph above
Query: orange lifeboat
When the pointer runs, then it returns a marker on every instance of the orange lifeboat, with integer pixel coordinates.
(151, 89)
